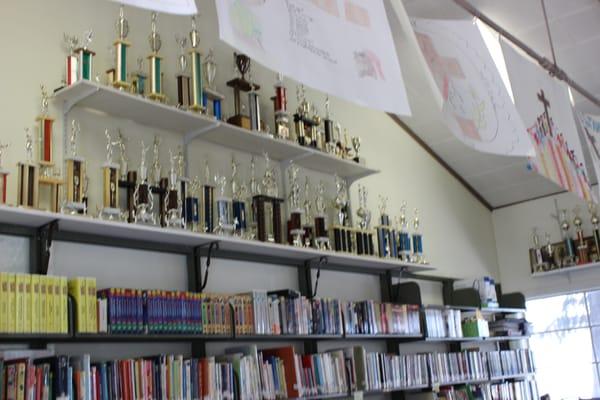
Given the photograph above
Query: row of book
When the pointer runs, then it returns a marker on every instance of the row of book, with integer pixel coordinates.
(519, 390)
(510, 362)
(443, 323)
(369, 317)
(31, 303)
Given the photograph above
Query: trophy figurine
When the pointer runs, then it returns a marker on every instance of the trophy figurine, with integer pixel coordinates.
(267, 207)
(138, 84)
(120, 50)
(3, 175)
(582, 247)
(173, 203)
(195, 91)
(356, 142)
(75, 195)
(295, 231)
(225, 224)
(72, 64)
(538, 259)
(110, 179)
(596, 233)
(321, 234)
(208, 195)
(386, 236)
(417, 240)
(210, 93)
(240, 84)
(143, 201)
(183, 80)
(568, 258)
(403, 235)
(86, 57)
(154, 62)
(238, 204)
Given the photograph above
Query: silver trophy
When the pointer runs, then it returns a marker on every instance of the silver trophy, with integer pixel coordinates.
(182, 61)
(143, 199)
(123, 161)
(173, 204)
(210, 70)
(156, 168)
(110, 171)
(341, 200)
(154, 37)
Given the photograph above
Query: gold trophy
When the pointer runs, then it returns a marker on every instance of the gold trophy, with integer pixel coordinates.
(196, 89)
(74, 197)
(110, 184)
(121, 45)
(27, 195)
(3, 175)
(154, 61)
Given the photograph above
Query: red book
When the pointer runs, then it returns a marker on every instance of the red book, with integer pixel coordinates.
(204, 377)
(286, 354)
(30, 382)
(39, 383)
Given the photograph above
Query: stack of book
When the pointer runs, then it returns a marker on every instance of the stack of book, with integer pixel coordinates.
(83, 292)
(373, 318)
(285, 312)
(510, 325)
(519, 390)
(33, 303)
(510, 362)
(443, 323)
(448, 368)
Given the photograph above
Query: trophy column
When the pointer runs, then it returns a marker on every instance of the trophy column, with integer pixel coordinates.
(403, 236)
(74, 197)
(143, 200)
(209, 91)
(196, 92)
(225, 224)
(110, 184)
(282, 119)
(173, 200)
(582, 247)
(3, 175)
(27, 195)
(86, 57)
(154, 63)
(121, 46)
(183, 80)
(192, 206)
(569, 252)
(386, 236)
(417, 240)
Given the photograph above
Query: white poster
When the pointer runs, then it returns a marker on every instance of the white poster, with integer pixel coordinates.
(545, 108)
(182, 7)
(477, 107)
(590, 124)
(341, 47)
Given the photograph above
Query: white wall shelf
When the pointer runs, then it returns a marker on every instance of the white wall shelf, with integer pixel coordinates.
(566, 270)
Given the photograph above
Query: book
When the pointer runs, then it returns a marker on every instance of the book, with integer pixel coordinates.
(90, 299)
(4, 302)
(19, 303)
(77, 290)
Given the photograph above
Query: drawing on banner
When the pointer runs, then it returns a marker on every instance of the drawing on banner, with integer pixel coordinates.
(329, 6)
(245, 23)
(476, 105)
(356, 14)
(590, 125)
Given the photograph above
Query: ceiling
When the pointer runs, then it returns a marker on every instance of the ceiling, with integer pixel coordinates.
(501, 180)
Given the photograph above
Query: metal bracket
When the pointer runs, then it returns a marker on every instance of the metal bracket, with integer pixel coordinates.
(323, 260)
(190, 136)
(44, 237)
(202, 282)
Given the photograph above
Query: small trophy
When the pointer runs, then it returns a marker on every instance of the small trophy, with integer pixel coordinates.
(208, 201)
(295, 231)
(173, 203)
(240, 84)
(154, 62)
(568, 258)
(225, 224)
(238, 203)
(403, 235)
(183, 80)
(210, 92)
(596, 233)
(321, 234)
(76, 176)
(282, 119)
(355, 140)
(138, 85)
(268, 207)
(143, 201)
(121, 45)
(582, 248)
(364, 236)
(156, 169)
(28, 187)
(3, 175)
(386, 236)
(538, 259)
(110, 179)
(548, 254)
(192, 206)
(417, 240)
(86, 57)
(195, 91)
(342, 233)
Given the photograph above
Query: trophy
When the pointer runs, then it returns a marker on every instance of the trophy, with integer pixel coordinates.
(568, 258)
(173, 203)
(342, 234)
(268, 207)
(548, 254)
(208, 201)
(330, 142)
(192, 206)
(121, 45)
(183, 80)
(156, 169)
(225, 224)
(596, 233)
(309, 231)
(254, 191)
(386, 236)
(295, 231)
(143, 201)
(240, 84)
(138, 84)
(321, 234)
(582, 248)
(195, 91)
(306, 125)
(86, 57)
(3, 175)
(282, 119)
(110, 179)
(363, 235)
(403, 235)
(238, 203)
(355, 140)
(154, 61)
(538, 262)
(210, 93)
(75, 194)
(417, 240)
(72, 64)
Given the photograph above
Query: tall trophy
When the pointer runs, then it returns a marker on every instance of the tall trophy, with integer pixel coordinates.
(27, 195)
(86, 57)
(295, 230)
(538, 259)
(183, 79)
(267, 207)
(173, 200)
(3, 175)
(210, 93)
(195, 91)
(254, 190)
(568, 258)
(386, 235)
(208, 196)
(417, 240)
(282, 119)
(75, 194)
(143, 201)
(596, 233)
(404, 247)
(121, 45)
(238, 192)
(138, 84)
(225, 222)
(329, 131)
(342, 233)
(321, 234)
(582, 247)
(155, 169)
(309, 230)
(240, 84)
(363, 235)
(110, 184)
(192, 206)
(72, 63)
(154, 62)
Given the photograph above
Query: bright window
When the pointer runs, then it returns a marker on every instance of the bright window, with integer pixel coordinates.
(566, 344)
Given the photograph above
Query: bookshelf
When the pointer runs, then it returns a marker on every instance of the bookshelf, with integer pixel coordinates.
(566, 270)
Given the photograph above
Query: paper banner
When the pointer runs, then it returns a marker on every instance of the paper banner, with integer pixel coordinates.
(181, 7)
(590, 124)
(477, 107)
(543, 103)
(341, 47)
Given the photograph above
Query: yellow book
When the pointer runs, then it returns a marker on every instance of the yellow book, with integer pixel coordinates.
(21, 380)
(64, 328)
(3, 302)
(43, 306)
(92, 312)
(77, 291)
(57, 317)
(35, 303)
(19, 303)
(27, 304)
(49, 304)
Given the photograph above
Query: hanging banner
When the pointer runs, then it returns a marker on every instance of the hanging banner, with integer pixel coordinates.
(590, 124)
(180, 7)
(544, 105)
(477, 107)
(344, 48)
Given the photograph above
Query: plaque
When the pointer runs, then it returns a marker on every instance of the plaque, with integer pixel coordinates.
(110, 184)
(210, 93)
(121, 45)
(155, 64)
(75, 177)
(173, 203)
(183, 80)
(582, 247)
(240, 84)
(86, 57)
(3, 175)
(143, 201)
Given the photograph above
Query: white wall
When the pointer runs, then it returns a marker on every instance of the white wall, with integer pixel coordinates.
(459, 237)
(513, 229)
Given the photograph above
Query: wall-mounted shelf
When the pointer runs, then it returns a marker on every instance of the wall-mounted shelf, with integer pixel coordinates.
(566, 270)
(476, 339)
(121, 104)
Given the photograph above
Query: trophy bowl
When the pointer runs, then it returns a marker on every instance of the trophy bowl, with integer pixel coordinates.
(242, 62)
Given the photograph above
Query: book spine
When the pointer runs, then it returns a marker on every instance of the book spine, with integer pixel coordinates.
(19, 303)
(90, 300)
(35, 303)
(42, 306)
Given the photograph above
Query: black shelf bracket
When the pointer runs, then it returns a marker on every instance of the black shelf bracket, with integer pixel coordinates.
(44, 237)
(195, 269)
(323, 260)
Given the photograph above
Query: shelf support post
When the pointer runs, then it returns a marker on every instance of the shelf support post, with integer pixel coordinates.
(43, 244)
(195, 265)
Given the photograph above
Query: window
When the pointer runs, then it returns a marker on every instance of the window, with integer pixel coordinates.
(566, 344)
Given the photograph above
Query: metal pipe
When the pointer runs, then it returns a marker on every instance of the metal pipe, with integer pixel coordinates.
(548, 31)
(548, 65)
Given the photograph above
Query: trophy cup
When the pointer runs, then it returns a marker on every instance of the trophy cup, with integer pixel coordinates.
(268, 207)
(295, 231)
(110, 179)
(192, 206)
(403, 235)
(143, 201)
(240, 84)
(75, 195)
(568, 258)
(210, 92)
(3, 175)
(582, 248)
(195, 91)
(154, 62)
(183, 80)
(121, 45)
(282, 119)
(238, 204)
(173, 203)
(86, 57)
(138, 85)
(72, 64)
(321, 234)
(417, 240)
(225, 225)
(208, 201)
(386, 236)
(538, 260)
(592, 208)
